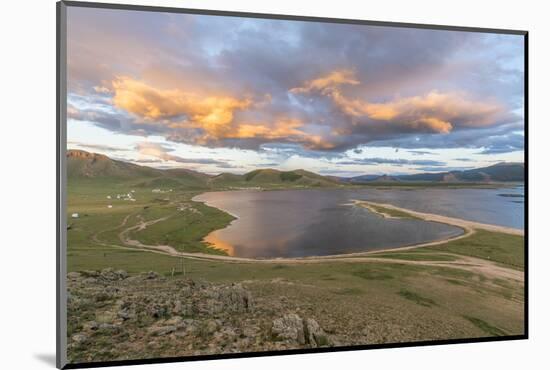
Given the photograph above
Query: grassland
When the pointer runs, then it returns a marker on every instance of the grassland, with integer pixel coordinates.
(417, 294)
(387, 212)
(501, 248)
(95, 234)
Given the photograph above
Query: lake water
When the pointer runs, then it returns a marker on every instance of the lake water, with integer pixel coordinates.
(297, 223)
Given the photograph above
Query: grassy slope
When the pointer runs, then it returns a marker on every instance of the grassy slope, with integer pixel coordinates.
(502, 248)
(396, 301)
(98, 222)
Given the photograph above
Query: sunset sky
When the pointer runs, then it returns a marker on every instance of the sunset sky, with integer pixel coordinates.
(227, 94)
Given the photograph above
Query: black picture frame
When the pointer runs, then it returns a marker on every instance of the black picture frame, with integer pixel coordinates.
(61, 224)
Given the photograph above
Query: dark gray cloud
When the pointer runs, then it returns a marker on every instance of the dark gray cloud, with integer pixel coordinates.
(393, 161)
(443, 169)
(502, 139)
(421, 152)
(477, 77)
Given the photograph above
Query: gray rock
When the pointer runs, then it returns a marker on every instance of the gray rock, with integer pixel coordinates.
(90, 273)
(290, 328)
(126, 314)
(314, 334)
(79, 338)
(73, 275)
(90, 325)
(121, 274)
(231, 299)
(178, 308)
(89, 281)
(108, 274)
(106, 328)
(157, 310)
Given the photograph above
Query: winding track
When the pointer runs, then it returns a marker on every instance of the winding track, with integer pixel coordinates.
(462, 262)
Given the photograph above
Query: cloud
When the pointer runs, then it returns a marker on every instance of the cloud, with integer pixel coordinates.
(334, 78)
(162, 152)
(244, 83)
(210, 112)
(104, 148)
(433, 112)
(392, 161)
(443, 169)
(421, 152)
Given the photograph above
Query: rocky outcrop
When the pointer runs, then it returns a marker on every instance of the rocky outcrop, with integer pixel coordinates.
(108, 309)
(292, 328)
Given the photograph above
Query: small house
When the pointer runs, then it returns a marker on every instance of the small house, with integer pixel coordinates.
(74, 215)
(110, 206)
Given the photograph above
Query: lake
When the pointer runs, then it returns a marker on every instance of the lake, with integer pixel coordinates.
(298, 223)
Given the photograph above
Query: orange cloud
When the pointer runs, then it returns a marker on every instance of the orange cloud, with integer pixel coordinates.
(434, 112)
(281, 129)
(209, 112)
(213, 114)
(287, 129)
(335, 78)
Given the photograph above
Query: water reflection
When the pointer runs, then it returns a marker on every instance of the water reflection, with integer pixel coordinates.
(296, 223)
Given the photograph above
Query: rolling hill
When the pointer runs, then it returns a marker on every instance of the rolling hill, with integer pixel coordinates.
(501, 172)
(276, 178)
(85, 166)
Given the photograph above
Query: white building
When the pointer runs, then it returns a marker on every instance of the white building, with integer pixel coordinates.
(108, 197)
(109, 206)
(74, 215)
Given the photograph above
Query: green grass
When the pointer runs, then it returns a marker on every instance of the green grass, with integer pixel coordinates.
(368, 273)
(392, 212)
(505, 249)
(449, 296)
(415, 256)
(184, 230)
(91, 236)
(289, 176)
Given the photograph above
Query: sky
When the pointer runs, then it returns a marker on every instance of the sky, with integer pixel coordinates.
(231, 94)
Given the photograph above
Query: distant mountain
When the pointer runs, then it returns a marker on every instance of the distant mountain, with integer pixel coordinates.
(501, 172)
(82, 165)
(85, 166)
(271, 177)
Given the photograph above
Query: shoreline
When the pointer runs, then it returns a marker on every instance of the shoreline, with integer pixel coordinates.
(468, 226)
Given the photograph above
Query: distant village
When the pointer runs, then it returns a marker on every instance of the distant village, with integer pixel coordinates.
(127, 196)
